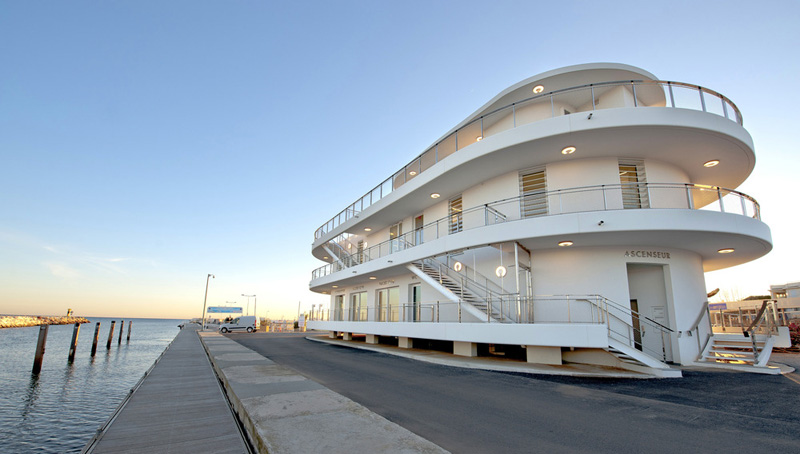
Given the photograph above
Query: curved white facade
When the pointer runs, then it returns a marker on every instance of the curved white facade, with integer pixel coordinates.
(573, 214)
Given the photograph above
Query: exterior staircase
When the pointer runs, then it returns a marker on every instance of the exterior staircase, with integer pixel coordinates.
(461, 291)
(738, 349)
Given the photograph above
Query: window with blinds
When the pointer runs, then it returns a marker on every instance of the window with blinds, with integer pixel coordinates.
(456, 215)
(533, 189)
(634, 185)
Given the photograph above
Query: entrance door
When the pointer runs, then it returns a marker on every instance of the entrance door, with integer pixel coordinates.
(418, 223)
(387, 304)
(338, 308)
(648, 296)
(416, 298)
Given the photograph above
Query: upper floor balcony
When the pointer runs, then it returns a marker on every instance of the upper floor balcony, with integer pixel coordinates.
(349, 251)
(543, 106)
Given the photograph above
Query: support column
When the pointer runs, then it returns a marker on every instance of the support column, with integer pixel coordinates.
(372, 339)
(347, 336)
(332, 334)
(465, 348)
(405, 342)
(543, 355)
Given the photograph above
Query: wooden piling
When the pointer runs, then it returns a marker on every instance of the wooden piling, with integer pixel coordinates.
(96, 335)
(121, 327)
(74, 344)
(37, 358)
(110, 335)
(130, 322)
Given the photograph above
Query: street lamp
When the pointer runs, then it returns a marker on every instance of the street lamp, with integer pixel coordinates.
(254, 303)
(205, 298)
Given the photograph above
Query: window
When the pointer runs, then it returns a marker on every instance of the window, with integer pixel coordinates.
(456, 215)
(634, 185)
(533, 188)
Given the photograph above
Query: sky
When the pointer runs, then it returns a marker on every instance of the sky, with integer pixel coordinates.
(146, 144)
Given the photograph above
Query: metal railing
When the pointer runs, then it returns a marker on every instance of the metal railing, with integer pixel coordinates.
(560, 201)
(623, 324)
(583, 98)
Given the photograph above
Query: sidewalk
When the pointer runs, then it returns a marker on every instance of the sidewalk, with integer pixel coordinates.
(284, 412)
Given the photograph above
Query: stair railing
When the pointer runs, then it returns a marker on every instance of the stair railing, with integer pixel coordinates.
(497, 301)
(704, 312)
(764, 323)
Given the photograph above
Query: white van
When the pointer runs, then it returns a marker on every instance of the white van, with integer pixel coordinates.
(244, 323)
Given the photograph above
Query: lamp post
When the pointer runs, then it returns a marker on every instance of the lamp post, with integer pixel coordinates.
(254, 303)
(205, 298)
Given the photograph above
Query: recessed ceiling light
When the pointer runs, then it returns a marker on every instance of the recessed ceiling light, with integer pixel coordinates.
(335, 286)
(435, 195)
(500, 271)
(367, 229)
(711, 163)
(538, 89)
(726, 250)
(373, 278)
(565, 243)
(412, 172)
(326, 257)
(478, 139)
(568, 150)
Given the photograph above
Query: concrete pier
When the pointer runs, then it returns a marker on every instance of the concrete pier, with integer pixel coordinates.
(178, 408)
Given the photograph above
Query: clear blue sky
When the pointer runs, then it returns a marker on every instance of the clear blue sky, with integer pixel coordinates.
(145, 144)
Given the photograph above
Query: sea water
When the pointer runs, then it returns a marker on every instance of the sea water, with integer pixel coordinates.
(61, 408)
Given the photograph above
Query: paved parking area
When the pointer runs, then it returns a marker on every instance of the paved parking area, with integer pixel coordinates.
(464, 410)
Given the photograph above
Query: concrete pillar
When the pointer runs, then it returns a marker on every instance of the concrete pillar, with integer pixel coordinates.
(543, 355)
(405, 342)
(465, 348)
(372, 339)
(347, 336)
(332, 334)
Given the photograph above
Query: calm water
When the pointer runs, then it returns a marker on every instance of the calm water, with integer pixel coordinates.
(62, 408)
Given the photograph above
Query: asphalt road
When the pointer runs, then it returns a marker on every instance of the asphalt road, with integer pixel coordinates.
(472, 411)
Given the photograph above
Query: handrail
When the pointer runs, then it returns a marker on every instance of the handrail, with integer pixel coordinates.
(476, 131)
(609, 198)
(618, 319)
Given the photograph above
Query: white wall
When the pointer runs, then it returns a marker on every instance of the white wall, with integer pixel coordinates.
(576, 173)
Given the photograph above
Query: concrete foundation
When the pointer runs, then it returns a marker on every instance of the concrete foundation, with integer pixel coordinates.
(372, 339)
(543, 355)
(405, 342)
(465, 348)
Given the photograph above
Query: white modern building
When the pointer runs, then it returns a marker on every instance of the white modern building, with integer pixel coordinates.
(569, 219)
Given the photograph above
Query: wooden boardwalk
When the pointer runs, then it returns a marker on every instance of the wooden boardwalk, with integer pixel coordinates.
(179, 408)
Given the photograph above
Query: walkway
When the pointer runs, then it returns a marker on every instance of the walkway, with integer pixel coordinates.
(179, 408)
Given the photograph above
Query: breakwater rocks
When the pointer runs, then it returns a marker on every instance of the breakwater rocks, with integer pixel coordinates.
(19, 321)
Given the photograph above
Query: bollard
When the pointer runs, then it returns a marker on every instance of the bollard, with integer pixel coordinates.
(37, 358)
(121, 327)
(96, 335)
(130, 322)
(74, 344)
(110, 335)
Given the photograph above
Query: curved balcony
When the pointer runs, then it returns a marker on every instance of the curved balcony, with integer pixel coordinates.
(584, 98)
(547, 203)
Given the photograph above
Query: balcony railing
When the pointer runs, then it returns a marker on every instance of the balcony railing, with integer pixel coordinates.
(584, 98)
(623, 324)
(561, 201)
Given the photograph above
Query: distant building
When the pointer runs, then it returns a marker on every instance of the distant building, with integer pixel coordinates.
(572, 216)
